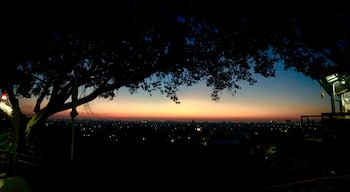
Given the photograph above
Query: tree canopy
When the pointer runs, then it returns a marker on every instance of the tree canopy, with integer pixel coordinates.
(160, 45)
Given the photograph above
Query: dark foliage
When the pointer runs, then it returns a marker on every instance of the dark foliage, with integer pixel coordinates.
(160, 45)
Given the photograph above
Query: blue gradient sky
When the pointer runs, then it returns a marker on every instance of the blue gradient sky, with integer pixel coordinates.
(287, 96)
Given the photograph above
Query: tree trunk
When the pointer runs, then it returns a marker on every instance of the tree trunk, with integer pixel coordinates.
(19, 121)
(37, 120)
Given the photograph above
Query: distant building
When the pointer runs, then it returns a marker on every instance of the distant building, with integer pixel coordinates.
(338, 88)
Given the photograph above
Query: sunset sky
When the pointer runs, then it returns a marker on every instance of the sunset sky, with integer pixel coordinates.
(287, 96)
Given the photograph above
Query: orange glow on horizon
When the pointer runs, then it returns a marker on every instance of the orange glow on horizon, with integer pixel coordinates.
(189, 109)
(65, 115)
(286, 98)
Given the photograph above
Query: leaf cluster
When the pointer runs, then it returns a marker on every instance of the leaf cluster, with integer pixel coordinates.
(161, 45)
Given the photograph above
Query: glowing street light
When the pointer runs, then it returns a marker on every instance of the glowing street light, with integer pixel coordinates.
(3, 96)
(5, 104)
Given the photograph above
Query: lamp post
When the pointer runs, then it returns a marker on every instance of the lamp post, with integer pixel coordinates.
(333, 97)
(73, 114)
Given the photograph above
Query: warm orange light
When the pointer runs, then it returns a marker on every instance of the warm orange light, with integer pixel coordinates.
(3, 96)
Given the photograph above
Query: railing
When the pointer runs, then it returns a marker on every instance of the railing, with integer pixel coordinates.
(9, 163)
(326, 116)
(335, 116)
(6, 163)
(307, 118)
(333, 183)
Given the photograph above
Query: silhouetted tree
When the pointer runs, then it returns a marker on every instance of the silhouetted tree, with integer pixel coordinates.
(158, 46)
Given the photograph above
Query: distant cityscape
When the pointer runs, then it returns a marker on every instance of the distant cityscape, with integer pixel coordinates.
(114, 132)
(235, 154)
(92, 127)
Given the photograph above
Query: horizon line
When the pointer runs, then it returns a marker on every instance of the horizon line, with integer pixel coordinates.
(184, 119)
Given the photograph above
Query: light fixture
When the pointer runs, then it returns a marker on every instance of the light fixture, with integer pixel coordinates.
(4, 96)
(332, 78)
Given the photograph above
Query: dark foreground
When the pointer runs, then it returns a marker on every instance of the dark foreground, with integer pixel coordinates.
(304, 166)
(298, 160)
(156, 168)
